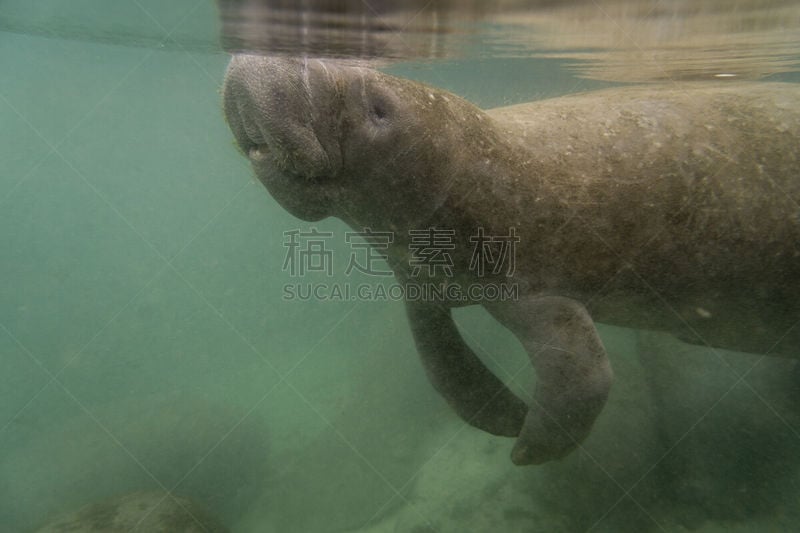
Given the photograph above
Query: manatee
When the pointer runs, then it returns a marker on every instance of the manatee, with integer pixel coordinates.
(671, 208)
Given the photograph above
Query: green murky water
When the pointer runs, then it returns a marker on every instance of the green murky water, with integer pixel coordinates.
(145, 345)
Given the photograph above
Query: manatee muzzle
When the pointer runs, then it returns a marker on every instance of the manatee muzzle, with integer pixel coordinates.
(269, 108)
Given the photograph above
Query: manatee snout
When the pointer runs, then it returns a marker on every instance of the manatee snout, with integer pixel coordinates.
(276, 110)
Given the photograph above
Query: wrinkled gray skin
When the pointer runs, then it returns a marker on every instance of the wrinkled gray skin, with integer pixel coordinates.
(664, 208)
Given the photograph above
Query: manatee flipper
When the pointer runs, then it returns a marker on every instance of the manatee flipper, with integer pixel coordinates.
(572, 369)
(456, 373)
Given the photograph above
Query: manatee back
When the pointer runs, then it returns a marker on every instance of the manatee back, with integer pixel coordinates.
(696, 187)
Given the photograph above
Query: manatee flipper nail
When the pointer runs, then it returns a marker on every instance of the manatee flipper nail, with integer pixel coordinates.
(471, 389)
(572, 370)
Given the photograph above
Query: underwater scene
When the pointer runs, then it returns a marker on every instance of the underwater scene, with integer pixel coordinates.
(411, 267)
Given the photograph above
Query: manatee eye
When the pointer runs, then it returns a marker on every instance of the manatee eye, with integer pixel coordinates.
(378, 110)
(379, 104)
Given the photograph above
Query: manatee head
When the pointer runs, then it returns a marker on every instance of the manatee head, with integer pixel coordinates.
(329, 139)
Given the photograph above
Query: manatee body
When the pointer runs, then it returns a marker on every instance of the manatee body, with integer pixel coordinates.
(669, 208)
